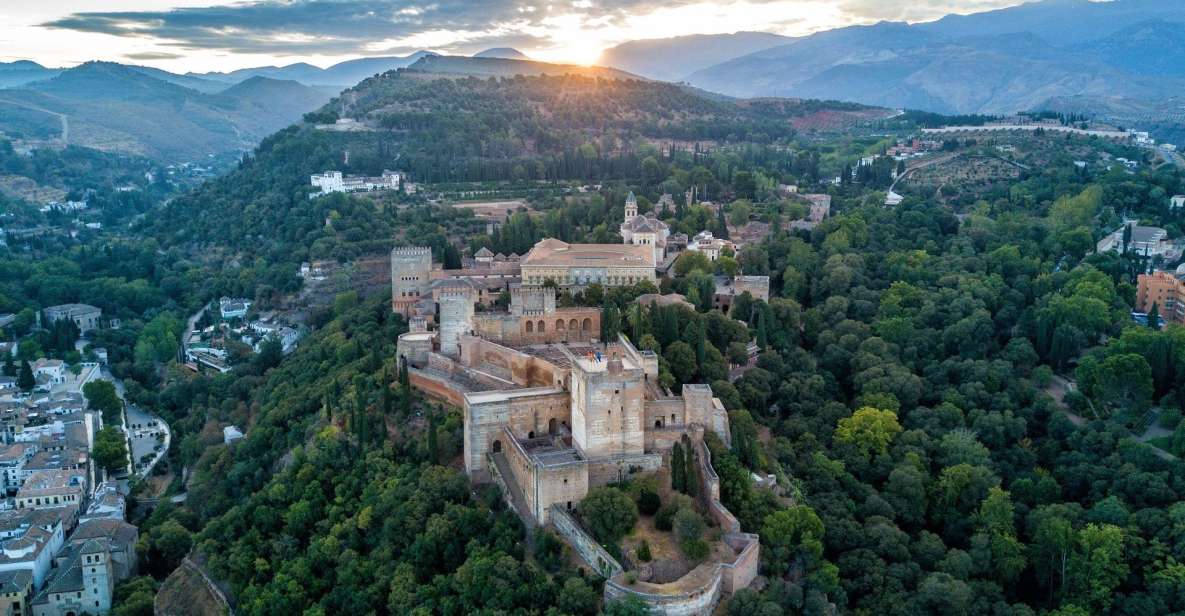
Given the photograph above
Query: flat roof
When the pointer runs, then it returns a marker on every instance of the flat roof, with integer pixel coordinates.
(481, 397)
(553, 252)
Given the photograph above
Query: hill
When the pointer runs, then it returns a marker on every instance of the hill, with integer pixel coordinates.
(18, 73)
(508, 53)
(673, 59)
(118, 108)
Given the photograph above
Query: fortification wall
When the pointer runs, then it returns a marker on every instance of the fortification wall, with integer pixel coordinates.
(695, 594)
(434, 386)
(595, 556)
(527, 413)
(608, 469)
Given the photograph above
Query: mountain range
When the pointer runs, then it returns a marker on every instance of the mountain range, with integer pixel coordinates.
(144, 111)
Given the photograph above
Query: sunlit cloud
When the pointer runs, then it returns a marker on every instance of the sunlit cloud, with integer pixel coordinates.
(248, 32)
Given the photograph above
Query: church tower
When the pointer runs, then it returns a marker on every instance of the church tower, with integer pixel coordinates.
(631, 206)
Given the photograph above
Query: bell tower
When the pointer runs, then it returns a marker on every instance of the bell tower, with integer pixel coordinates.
(631, 206)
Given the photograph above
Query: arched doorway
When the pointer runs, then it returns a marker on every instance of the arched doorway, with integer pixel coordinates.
(531, 434)
(497, 446)
(657, 423)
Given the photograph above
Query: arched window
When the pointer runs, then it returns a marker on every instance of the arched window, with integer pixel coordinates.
(573, 325)
(587, 325)
(559, 325)
(530, 327)
(541, 326)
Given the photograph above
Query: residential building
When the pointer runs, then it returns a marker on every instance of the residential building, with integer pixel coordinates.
(231, 434)
(88, 318)
(893, 199)
(16, 590)
(1166, 291)
(233, 307)
(1176, 201)
(13, 458)
(711, 247)
(29, 540)
(117, 537)
(54, 489)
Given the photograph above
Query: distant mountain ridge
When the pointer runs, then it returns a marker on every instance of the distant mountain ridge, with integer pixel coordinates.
(672, 59)
(506, 53)
(114, 107)
(342, 74)
(1000, 61)
(503, 67)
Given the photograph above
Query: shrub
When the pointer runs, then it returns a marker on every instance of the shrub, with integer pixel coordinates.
(664, 519)
(649, 502)
(688, 525)
(695, 549)
(644, 552)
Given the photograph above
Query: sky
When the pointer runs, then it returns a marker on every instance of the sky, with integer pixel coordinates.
(212, 35)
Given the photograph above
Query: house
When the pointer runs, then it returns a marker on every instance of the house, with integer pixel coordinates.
(53, 371)
(54, 489)
(28, 542)
(231, 434)
(13, 458)
(88, 318)
(893, 199)
(1164, 290)
(106, 503)
(1176, 201)
(16, 590)
(711, 247)
(233, 308)
(1146, 241)
(117, 537)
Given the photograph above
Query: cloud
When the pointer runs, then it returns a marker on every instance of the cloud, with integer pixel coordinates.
(917, 10)
(153, 55)
(335, 26)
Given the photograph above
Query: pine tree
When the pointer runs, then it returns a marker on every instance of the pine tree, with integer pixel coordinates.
(25, 380)
(1154, 316)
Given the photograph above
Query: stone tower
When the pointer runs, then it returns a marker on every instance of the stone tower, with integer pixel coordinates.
(607, 405)
(631, 206)
(97, 579)
(531, 300)
(411, 270)
(456, 316)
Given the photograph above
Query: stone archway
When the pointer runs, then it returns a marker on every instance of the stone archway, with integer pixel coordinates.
(497, 446)
(586, 326)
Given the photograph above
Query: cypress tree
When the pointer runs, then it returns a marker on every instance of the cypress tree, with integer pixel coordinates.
(691, 477)
(9, 367)
(677, 470)
(25, 380)
(1154, 317)
(700, 342)
(762, 336)
(433, 453)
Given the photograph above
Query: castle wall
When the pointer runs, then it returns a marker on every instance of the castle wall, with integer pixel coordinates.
(562, 325)
(524, 411)
(435, 386)
(456, 318)
(665, 413)
(526, 370)
(695, 594)
(415, 347)
(607, 470)
(589, 550)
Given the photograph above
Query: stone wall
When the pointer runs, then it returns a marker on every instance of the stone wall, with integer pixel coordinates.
(525, 412)
(415, 347)
(583, 544)
(608, 469)
(523, 369)
(607, 410)
(435, 386)
(695, 594)
(456, 318)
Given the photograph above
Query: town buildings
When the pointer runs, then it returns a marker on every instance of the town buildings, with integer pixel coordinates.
(1164, 290)
(88, 318)
(233, 307)
(335, 182)
(711, 247)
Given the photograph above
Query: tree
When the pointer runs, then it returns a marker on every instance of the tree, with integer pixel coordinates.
(609, 513)
(9, 367)
(110, 450)
(678, 469)
(791, 534)
(688, 525)
(681, 358)
(1097, 566)
(869, 430)
(25, 380)
(610, 321)
(101, 396)
(1154, 316)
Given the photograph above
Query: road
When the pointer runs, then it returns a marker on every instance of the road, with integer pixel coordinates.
(141, 428)
(190, 326)
(1171, 156)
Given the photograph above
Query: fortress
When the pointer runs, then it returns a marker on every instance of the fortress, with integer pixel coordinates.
(550, 411)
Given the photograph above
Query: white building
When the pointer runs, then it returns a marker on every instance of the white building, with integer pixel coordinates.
(644, 230)
(233, 308)
(1146, 241)
(335, 182)
(711, 247)
(231, 434)
(1176, 201)
(893, 199)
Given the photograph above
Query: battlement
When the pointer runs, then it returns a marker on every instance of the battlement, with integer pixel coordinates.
(411, 251)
